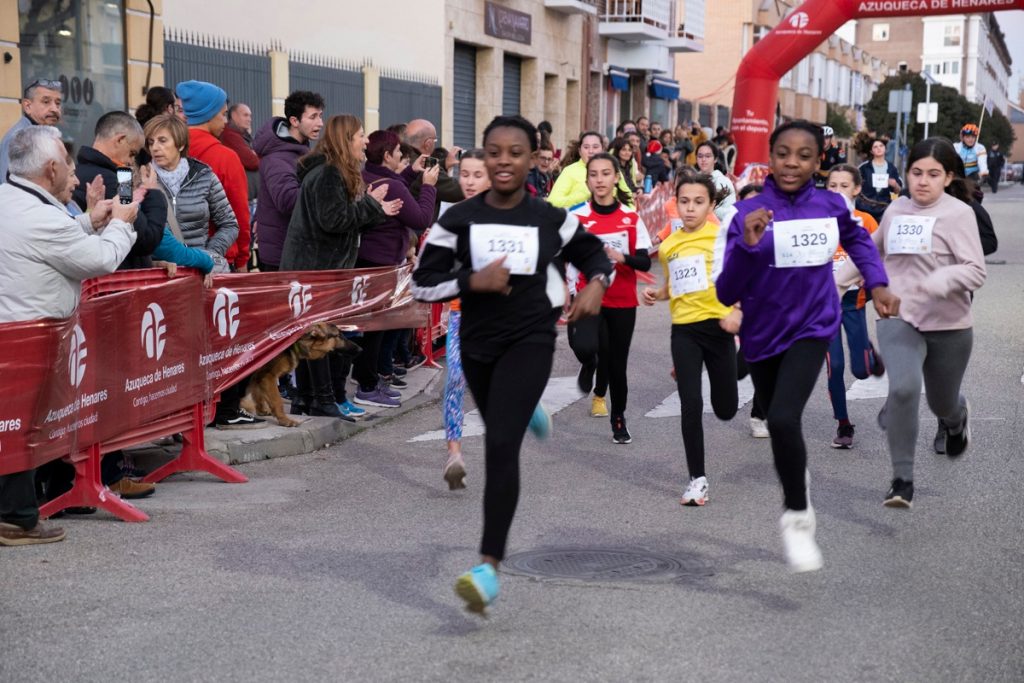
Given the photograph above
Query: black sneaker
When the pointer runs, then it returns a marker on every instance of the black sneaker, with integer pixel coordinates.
(585, 380)
(398, 371)
(394, 381)
(236, 419)
(878, 369)
(844, 437)
(956, 444)
(619, 432)
(417, 360)
(900, 495)
(939, 444)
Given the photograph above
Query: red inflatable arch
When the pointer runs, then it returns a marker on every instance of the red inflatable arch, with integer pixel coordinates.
(757, 79)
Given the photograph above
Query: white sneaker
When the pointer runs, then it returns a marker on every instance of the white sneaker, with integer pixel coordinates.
(802, 552)
(455, 472)
(696, 493)
(759, 428)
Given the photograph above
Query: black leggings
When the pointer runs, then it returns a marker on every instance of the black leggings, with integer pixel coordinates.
(603, 341)
(782, 384)
(696, 346)
(742, 370)
(512, 384)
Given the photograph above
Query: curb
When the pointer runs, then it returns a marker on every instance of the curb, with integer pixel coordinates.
(240, 446)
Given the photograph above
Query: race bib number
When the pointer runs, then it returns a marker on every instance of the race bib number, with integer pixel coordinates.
(687, 274)
(805, 243)
(619, 241)
(879, 181)
(910, 235)
(518, 244)
(676, 223)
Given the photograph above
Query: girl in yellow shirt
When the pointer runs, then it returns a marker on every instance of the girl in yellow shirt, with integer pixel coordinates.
(702, 328)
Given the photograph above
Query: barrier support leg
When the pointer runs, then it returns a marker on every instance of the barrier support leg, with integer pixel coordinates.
(194, 458)
(88, 491)
(428, 344)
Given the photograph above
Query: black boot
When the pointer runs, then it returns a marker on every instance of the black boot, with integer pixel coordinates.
(303, 390)
(323, 404)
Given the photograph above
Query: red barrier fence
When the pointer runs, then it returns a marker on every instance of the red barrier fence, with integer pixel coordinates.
(144, 357)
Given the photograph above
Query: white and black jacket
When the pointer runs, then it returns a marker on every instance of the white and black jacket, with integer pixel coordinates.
(493, 322)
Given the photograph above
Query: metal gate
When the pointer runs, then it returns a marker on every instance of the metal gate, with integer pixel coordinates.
(464, 96)
(408, 98)
(511, 87)
(340, 83)
(242, 69)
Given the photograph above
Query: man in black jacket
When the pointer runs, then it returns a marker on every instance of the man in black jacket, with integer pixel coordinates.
(422, 135)
(118, 139)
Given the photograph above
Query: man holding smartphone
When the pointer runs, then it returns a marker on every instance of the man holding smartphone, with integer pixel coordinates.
(421, 135)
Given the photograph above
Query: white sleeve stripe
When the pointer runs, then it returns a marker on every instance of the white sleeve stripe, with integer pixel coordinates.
(440, 237)
(643, 238)
(718, 253)
(568, 227)
(442, 292)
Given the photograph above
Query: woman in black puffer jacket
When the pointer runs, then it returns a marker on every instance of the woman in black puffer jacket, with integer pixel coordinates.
(332, 212)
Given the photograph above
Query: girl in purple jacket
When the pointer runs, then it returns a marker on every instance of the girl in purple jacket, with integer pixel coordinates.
(778, 265)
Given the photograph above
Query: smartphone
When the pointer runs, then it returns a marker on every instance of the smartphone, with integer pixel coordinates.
(124, 185)
(429, 162)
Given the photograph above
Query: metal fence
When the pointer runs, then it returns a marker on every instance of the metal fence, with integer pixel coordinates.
(406, 96)
(339, 82)
(242, 69)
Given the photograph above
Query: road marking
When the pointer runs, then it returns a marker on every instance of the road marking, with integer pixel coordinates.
(560, 393)
(670, 406)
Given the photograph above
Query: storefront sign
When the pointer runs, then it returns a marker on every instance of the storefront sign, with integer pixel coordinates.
(502, 22)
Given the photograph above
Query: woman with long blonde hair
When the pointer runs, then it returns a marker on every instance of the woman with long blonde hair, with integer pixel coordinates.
(332, 211)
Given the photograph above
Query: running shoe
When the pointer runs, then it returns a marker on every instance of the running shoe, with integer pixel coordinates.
(878, 369)
(598, 407)
(900, 495)
(455, 472)
(619, 432)
(759, 428)
(696, 492)
(416, 361)
(375, 397)
(388, 390)
(585, 380)
(798, 528)
(939, 444)
(394, 381)
(352, 409)
(478, 587)
(956, 443)
(540, 422)
(844, 437)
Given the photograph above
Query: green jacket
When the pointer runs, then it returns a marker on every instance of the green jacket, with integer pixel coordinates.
(571, 187)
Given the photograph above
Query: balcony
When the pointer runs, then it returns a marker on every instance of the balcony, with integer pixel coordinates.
(635, 21)
(688, 32)
(572, 6)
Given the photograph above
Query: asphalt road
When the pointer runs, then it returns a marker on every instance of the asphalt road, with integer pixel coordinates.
(339, 565)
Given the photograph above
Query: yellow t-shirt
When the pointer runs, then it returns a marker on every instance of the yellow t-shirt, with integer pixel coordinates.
(692, 262)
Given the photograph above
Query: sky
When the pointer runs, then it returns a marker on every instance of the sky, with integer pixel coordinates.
(1012, 23)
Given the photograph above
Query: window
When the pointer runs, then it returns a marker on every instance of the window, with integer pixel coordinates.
(903, 67)
(954, 67)
(951, 35)
(880, 32)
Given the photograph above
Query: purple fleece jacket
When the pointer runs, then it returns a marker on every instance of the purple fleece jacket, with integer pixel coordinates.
(783, 305)
(387, 243)
(279, 185)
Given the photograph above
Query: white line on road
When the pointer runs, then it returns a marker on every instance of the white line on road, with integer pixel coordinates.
(670, 406)
(560, 393)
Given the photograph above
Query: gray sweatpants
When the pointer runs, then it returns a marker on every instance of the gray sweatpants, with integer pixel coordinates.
(937, 358)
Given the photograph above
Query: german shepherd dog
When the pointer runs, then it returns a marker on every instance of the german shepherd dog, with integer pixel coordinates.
(263, 396)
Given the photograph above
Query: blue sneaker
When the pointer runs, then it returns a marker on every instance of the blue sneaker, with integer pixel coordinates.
(478, 587)
(540, 422)
(350, 409)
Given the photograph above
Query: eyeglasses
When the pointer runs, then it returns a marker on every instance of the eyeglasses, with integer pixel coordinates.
(45, 83)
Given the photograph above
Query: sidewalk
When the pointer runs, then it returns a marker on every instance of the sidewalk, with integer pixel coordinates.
(269, 440)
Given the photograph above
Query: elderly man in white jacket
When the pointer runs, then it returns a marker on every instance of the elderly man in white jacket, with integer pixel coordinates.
(44, 255)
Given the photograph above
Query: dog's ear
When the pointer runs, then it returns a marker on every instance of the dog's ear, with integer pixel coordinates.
(317, 331)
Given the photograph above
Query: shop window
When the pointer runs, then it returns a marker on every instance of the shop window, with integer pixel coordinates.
(82, 45)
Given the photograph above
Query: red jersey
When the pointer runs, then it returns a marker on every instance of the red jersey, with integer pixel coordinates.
(623, 230)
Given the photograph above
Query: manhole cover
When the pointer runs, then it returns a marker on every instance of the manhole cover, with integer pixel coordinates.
(600, 564)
